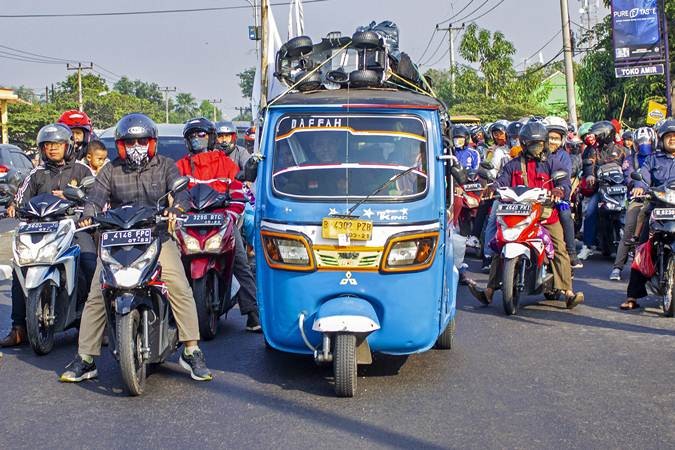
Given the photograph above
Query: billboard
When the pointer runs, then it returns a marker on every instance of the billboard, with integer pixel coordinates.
(636, 30)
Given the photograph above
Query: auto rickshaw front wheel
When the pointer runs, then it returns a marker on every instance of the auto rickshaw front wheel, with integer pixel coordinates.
(344, 365)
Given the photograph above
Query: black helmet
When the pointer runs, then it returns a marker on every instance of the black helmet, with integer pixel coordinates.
(533, 137)
(460, 131)
(666, 127)
(142, 129)
(512, 133)
(497, 126)
(56, 132)
(197, 125)
(627, 136)
(604, 132)
(227, 127)
(474, 130)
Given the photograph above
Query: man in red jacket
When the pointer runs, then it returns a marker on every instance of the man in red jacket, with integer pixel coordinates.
(203, 165)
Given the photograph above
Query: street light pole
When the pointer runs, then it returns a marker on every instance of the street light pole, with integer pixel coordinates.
(569, 67)
(213, 102)
(79, 69)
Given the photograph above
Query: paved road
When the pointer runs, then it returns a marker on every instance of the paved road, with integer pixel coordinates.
(594, 377)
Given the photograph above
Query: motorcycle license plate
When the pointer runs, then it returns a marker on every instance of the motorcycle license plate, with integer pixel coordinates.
(472, 187)
(39, 227)
(126, 237)
(664, 214)
(358, 230)
(513, 209)
(617, 190)
(204, 220)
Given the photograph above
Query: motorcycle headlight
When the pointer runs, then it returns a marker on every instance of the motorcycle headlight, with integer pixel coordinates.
(287, 251)
(191, 243)
(44, 252)
(411, 252)
(128, 277)
(107, 258)
(214, 243)
(667, 197)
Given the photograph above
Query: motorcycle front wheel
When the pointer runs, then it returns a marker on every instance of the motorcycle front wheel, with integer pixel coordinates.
(668, 298)
(510, 292)
(129, 345)
(38, 310)
(207, 315)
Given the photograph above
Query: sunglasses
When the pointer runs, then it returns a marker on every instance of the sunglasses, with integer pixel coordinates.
(139, 141)
(199, 134)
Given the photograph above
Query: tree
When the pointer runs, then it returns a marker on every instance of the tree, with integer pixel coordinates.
(206, 110)
(185, 107)
(140, 89)
(246, 82)
(602, 94)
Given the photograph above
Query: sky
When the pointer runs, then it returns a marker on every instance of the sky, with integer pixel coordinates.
(201, 52)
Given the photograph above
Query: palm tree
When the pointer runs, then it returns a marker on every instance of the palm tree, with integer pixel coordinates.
(185, 106)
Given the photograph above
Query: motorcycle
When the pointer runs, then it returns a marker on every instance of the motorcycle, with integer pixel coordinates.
(662, 234)
(141, 326)
(206, 240)
(46, 264)
(526, 248)
(471, 197)
(612, 207)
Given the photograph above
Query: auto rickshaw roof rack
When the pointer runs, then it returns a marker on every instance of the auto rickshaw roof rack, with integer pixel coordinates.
(370, 58)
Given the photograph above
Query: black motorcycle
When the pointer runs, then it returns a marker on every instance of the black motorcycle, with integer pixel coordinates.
(612, 207)
(141, 326)
(662, 232)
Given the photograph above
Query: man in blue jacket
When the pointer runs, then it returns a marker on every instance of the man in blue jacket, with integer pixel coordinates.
(468, 157)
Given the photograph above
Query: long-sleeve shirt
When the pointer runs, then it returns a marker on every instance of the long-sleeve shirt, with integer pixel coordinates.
(468, 157)
(657, 170)
(49, 177)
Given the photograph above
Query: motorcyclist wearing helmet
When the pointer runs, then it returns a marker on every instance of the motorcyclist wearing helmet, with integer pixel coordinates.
(512, 133)
(80, 124)
(644, 145)
(226, 140)
(139, 175)
(658, 170)
(478, 139)
(203, 165)
(627, 139)
(557, 132)
(532, 169)
(601, 149)
(468, 157)
(57, 171)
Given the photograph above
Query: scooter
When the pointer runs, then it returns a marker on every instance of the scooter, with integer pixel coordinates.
(471, 196)
(206, 239)
(141, 326)
(526, 248)
(46, 264)
(662, 234)
(612, 207)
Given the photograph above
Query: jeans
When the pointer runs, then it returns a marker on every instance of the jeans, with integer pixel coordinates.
(246, 297)
(248, 228)
(568, 231)
(591, 220)
(84, 276)
(628, 231)
(491, 230)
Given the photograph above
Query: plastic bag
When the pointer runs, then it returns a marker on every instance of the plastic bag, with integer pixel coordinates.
(643, 262)
(458, 248)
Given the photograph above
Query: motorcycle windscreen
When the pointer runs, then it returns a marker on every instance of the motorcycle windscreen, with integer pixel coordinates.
(350, 156)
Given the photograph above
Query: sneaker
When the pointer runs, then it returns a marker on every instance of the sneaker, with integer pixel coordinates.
(253, 322)
(79, 370)
(615, 275)
(585, 252)
(573, 300)
(487, 262)
(576, 263)
(196, 365)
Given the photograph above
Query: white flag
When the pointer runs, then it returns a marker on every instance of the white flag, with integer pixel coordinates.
(274, 87)
(296, 19)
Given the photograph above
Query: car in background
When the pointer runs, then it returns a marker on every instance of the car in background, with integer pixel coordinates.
(242, 126)
(14, 167)
(170, 141)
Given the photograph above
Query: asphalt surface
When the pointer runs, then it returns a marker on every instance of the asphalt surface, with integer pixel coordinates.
(594, 377)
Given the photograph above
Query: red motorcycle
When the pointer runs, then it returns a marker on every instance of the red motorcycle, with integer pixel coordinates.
(470, 196)
(206, 239)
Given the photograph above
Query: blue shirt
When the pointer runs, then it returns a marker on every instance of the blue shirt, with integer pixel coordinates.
(468, 157)
(658, 169)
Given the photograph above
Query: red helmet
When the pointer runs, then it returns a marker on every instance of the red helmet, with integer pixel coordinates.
(77, 119)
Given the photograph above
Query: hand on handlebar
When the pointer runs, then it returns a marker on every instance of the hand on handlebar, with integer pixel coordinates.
(637, 192)
(11, 211)
(171, 214)
(84, 222)
(557, 194)
(590, 180)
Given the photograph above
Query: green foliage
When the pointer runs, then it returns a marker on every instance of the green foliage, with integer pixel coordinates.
(246, 82)
(185, 108)
(140, 89)
(602, 94)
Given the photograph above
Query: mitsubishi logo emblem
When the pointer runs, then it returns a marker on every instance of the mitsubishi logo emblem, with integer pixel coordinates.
(348, 280)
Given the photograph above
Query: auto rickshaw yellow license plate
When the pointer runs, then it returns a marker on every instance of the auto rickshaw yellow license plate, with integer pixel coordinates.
(355, 229)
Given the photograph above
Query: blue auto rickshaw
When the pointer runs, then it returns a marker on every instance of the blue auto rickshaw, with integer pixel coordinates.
(353, 246)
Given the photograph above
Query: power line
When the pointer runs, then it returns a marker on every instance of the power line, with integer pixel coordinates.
(442, 41)
(486, 12)
(472, 12)
(132, 13)
(456, 14)
(544, 46)
(426, 49)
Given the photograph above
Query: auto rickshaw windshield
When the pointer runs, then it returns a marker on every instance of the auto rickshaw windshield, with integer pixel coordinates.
(348, 156)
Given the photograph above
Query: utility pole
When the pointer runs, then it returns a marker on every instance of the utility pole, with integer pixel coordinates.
(569, 68)
(242, 110)
(264, 76)
(214, 102)
(79, 69)
(166, 91)
(451, 39)
(669, 84)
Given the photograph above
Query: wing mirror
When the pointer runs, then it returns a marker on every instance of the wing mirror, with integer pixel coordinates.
(74, 194)
(179, 184)
(559, 175)
(637, 176)
(487, 165)
(459, 174)
(87, 182)
(250, 172)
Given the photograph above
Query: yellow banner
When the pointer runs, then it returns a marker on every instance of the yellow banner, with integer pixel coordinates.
(655, 112)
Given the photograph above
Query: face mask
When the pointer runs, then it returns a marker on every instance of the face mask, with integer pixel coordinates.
(137, 155)
(199, 144)
(644, 149)
(536, 150)
(459, 142)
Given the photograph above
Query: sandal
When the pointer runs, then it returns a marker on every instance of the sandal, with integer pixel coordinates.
(575, 299)
(479, 294)
(628, 305)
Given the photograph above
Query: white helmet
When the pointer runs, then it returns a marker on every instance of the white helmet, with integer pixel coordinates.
(557, 124)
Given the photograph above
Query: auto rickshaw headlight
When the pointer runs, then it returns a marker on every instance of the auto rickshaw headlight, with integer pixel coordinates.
(287, 251)
(409, 252)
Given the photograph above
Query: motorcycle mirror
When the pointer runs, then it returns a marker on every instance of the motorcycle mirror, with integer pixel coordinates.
(459, 174)
(73, 193)
(250, 172)
(559, 175)
(9, 189)
(487, 165)
(485, 174)
(87, 182)
(637, 176)
(179, 184)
